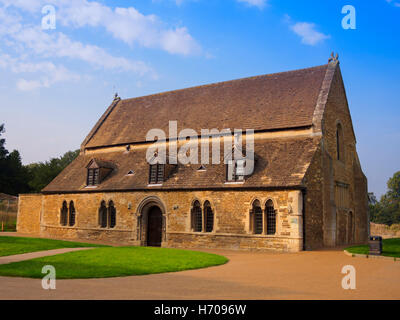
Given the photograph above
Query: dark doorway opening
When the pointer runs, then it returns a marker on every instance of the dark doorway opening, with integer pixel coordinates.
(154, 227)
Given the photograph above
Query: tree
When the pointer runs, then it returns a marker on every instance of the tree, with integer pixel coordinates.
(387, 210)
(42, 173)
(13, 176)
(3, 151)
(394, 186)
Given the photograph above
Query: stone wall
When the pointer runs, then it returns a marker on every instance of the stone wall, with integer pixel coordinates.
(384, 230)
(231, 218)
(29, 213)
(348, 223)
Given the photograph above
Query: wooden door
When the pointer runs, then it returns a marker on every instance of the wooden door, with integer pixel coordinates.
(154, 227)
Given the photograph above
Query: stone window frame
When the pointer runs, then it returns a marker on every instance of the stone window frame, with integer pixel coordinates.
(65, 214)
(263, 203)
(203, 216)
(192, 215)
(111, 210)
(266, 213)
(71, 213)
(105, 214)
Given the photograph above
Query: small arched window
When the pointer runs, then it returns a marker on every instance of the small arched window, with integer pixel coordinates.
(257, 217)
(71, 214)
(271, 217)
(103, 215)
(339, 143)
(112, 214)
(208, 216)
(197, 219)
(64, 214)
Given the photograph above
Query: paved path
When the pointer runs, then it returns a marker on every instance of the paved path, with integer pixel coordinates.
(37, 254)
(248, 275)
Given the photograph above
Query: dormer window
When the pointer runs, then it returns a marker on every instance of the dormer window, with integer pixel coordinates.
(93, 177)
(235, 170)
(157, 173)
(96, 172)
(239, 165)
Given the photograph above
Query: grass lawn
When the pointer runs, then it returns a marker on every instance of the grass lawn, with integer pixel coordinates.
(390, 248)
(18, 245)
(113, 262)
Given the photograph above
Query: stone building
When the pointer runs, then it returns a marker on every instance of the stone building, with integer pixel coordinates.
(307, 189)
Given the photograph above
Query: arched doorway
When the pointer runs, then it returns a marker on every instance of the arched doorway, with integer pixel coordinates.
(154, 227)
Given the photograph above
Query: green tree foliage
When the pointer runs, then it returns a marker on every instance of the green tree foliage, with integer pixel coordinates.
(13, 175)
(42, 173)
(387, 210)
(16, 178)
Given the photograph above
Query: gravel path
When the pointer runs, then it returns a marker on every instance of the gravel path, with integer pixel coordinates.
(248, 275)
(37, 254)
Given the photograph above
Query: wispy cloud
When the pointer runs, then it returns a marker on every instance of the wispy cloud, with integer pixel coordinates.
(61, 46)
(307, 31)
(46, 73)
(123, 23)
(255, 3)
(28, 43)
(394, 3)
(251, 3)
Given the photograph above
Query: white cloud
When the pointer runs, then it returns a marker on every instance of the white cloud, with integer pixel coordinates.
(46, 73)
(29, 85)
(33, 49)
(125, 24)
(308, 33)
(394, 3)
(61, 46)
(256, 3)
(252, 3)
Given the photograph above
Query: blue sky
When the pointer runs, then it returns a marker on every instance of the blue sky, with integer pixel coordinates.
(56, 83)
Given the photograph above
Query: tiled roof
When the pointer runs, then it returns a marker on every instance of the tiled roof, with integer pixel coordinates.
(281, 101)
(275, 101)
(279, 163)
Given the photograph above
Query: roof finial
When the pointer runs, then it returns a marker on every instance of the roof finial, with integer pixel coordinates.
(333, 58)
(116, 96)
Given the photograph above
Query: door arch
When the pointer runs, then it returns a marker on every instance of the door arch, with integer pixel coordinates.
(154, 227)
(146, 208)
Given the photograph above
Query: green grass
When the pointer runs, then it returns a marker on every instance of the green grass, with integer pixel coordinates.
(18, 245)
(390, 248)
(113, 262)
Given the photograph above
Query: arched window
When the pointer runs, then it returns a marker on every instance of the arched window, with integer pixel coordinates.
(71, 214)
(197, 219)
(271, 217)
(339, 143)
(103, 215)
(64, 214)
(208, 216)
(112, 214)
(257, 217)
